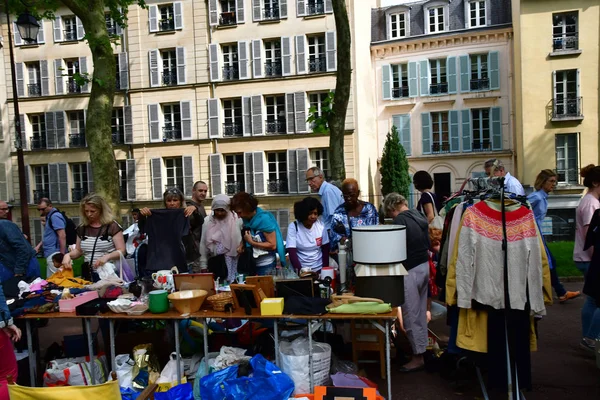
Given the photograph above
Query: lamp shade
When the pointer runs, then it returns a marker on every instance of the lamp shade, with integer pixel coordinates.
(379, 244)
(28, 27)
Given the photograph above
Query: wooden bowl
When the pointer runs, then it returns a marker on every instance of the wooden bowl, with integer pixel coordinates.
(188, 301)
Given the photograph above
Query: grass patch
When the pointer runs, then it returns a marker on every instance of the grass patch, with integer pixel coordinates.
(76, 266)
(563, 253)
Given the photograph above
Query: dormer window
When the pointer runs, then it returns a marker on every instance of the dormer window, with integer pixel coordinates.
(476, 13)
(397, 25)
(436, 16)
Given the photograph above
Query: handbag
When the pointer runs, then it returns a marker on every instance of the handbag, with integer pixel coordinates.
(438, 220)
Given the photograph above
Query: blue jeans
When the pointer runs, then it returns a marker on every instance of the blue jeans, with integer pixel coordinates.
(266, 269)
(590, 319)
(583, 267)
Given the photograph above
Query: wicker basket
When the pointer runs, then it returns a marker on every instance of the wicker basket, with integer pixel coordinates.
(220, 300)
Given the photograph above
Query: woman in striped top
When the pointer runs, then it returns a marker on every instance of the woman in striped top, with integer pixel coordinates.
(99, 237)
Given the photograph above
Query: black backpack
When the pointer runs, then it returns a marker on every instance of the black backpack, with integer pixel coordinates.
(70, 227)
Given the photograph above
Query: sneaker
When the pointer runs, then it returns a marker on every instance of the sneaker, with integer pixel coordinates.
(569, 296)
(586, 345)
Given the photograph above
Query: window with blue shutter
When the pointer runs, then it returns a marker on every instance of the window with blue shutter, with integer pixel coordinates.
(424, 70)
(413, 90)
(452, 78)
(402, 124)
(386, 81)
(464, 74)
(426, 132)
(494, 67)
(454, 132)
(496, 128)
(466, 130)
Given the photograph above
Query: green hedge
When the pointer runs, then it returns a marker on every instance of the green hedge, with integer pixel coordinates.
(76, 266)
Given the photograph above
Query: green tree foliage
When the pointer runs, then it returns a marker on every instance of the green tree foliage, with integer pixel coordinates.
(319, 121)
(394, 166)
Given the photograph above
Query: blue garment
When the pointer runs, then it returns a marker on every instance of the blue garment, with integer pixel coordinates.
(55, 222)
(264, 221)
(368, 216)
(590, 319)
(5, 318)
(539, 205)
(33, 270)
(15, 251)
(331, 198)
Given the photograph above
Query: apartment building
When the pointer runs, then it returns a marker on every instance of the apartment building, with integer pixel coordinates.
(556, 91)
(444, 79)
(218, 91)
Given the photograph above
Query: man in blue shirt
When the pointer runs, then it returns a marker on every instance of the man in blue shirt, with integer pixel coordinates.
(331, 196)
(17, 257)
(55, 236)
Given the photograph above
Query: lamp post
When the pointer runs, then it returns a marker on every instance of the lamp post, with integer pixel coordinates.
(28, 29)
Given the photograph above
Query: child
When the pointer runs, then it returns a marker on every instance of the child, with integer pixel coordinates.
(57, 260)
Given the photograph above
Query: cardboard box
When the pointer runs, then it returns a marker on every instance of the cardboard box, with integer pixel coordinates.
(271, 306)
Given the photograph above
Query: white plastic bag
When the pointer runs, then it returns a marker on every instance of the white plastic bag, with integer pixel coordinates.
(107, 271)
(294, 362)
(76, 371)
(124, 370)
(169, 372)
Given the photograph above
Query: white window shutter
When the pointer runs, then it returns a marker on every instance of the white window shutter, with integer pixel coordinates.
(54, 186)
(17, 35)
(61, 132)
(257, 68)
(19, 69)
(153, 18)
(154, 72)
(156, 173)
(3, 182)
(249, 172)
(213, 13)
(331, 50)
(23, 131)
(50, 119)
(45, 77)
(188, 175)
(130, 170)
(302, 161)
(213, 57)
(258, 169)
(90, 177)
(154, 122)
(290, 115)
(328, 6)
(243, 59)
(292, 171)
(256, 10)
(216, 184)
(83, 70)
(257, 121)
(240, 16)
(247, 116)
(282, 8)
(41, 38)
(300, 54)
(300, 8)
(180, 55)
(213, 118)
(57, 28)
(58, 74)
(178, 11)
(63, 182)
(300, 111)
(123, 71)
(286, 56)
(186, 119)
(128, 124)
(80, 30)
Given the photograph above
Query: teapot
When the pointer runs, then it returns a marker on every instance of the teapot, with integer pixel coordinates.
(163, 279)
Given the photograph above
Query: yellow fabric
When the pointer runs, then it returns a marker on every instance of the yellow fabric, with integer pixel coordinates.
(472, 330)
(105, 391)
(65, 278)
(547, 283)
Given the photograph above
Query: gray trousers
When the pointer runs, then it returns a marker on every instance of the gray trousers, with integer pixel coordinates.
(414, 309)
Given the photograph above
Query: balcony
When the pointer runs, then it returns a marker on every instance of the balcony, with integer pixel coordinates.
(439, 148)
(40, 194)
(72, 86)
(233, 129)
(277, 186)
(123, 193)
(400, 92)
(111, 28)
(271, 13)
(118, 135)
(568, 176)
(166, 25)
(480, 84)
(565, 42)
(77, 194)
(38, 143)
(70, 35)
(482, 145)
(569, 109)
(34, 90)
(169, 77)
(77, 140)
(171, 186)
(227, 19)
(317, 64)
(171, 133)
(231, 72)
(275, 126)
(315, 8)
(438, 88)
(273, 68)
(233, 187)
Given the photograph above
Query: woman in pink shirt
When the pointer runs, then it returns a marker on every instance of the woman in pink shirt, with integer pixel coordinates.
(583, 215)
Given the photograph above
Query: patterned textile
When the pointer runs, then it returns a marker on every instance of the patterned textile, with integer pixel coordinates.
(368, 216)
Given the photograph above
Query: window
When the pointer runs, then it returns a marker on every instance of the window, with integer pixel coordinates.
(72, 68)
(567, 158)
(70, 28)
(234, 178)
(435, 19)
(272, 57)
(480, 118)
(77, 123)
(275, 107)
(230, 62)
(439, 132)
(122, 180)
(111, 25)
(316, 104)
(228, 16)
(565, 36)
(439, 79)
(232, 122)
(315, 7)
(479, 72)
(38, 127)
(167, 17)
(397, 25)
(477, 13)
(399, 81)
(567, 103)
(169, 67)
(316, 54)
(271, 10)
(41, 180)
(34, 87)
(277, 180)
(80, 182)
(320, 158)
(172, 119)
(117, 125)
(174, 173)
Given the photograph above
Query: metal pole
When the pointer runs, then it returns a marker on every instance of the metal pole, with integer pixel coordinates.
(111, 329)
(90, 340)
(388, 359)
(276, 332)
(30, 353)
(18, 136)
(311, 377)
(205, 333)
(177, 351)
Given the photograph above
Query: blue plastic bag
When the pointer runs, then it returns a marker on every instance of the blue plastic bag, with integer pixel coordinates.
(128, 394)
(179, 392)
(267, 382)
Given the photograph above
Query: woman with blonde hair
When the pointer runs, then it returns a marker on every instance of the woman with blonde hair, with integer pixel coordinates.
(99, 237)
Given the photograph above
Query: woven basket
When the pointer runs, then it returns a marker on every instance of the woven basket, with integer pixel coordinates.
(220, 300)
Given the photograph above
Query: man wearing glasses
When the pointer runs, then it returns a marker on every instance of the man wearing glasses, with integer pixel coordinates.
(4, 208)
(55, 236)
(495, 167)
(331, 196)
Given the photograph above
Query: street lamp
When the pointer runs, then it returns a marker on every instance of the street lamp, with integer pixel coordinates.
(28, 29)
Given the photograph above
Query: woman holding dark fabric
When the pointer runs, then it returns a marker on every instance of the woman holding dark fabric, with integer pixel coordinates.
(8, 332)
(261, 233)
(423, 182)
(413, 312)
(307, 240)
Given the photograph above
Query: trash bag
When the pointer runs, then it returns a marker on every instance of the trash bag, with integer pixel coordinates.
(128, 394)
(267, 382)
(179, 392)
(124, 370)
(205, 368)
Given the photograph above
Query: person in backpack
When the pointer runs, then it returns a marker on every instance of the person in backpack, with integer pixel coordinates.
(55, 235)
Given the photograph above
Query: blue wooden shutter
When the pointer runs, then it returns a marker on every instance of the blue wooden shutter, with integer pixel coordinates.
(454, 131)
(413, 90)
(426, 132)
(467, 136)
(496, 128)
(385, 81)
(451, 66)
(424, 77)
(464, 74)
(494, 66)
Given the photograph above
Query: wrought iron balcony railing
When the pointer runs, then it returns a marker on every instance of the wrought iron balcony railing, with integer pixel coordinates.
(77, 194)
(171, 133)
(38, 143)
(438, 148)
(273, 68)
(480, 84)
(227, 18)
(438, 88)
(72, 86)
(233, 187)
(77, 140)
(271, 13)
(317, 64)
(34, 89)
(568, 108)
(169, 77)
(275, 126)
(482, 145)
(400, 92)
(277, 186)
(233, 129)
(565, 41)
(231, 72)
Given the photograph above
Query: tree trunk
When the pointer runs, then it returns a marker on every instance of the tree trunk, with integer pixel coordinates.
(337, 119)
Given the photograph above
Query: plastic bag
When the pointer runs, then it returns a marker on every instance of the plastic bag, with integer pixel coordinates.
(124, 370)
(205, 368)
(294, 357)
(128, 394)
(351, 380)
(76, 371)
(267, 382)
(169, 372)
(179, 392)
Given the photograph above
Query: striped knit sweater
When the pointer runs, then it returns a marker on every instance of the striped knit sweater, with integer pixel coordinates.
(480, 260)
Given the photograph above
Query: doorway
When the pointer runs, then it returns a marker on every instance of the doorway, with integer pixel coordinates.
(442, 186)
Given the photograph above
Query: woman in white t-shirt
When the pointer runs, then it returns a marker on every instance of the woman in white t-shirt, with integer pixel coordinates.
(307, 240)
